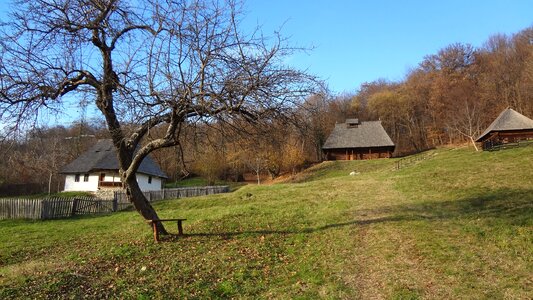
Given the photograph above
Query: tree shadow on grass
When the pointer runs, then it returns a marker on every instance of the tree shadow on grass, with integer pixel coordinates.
(503, 204)
(514, 206)
(229, 235)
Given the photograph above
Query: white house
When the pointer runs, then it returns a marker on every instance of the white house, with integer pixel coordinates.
(97, 169)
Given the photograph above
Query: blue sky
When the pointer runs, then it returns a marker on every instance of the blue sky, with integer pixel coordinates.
(361, 41)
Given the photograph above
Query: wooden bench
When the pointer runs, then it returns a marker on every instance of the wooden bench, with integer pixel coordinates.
(154, 223)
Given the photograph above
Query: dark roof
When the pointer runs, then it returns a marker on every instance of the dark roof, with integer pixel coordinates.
(366, 134)
(508, 119)
(102, 156)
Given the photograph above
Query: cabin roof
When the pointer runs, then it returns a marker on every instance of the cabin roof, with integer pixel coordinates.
(365, 134)
(352, 121)
(102, 156)
(508, 119)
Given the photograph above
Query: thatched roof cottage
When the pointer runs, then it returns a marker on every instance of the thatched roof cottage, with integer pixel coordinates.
(509, 127)
(355, 140)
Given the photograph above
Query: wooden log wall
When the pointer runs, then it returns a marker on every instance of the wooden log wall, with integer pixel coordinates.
(358, 153)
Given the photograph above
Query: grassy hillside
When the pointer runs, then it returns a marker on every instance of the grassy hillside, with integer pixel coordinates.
(457, 225)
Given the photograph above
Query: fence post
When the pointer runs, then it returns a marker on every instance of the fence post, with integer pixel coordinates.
(115, 201)
(43, 209)
(74, 207)
(164, 194)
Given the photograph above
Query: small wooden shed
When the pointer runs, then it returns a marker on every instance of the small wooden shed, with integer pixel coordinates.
(509, 127)
(354, 140)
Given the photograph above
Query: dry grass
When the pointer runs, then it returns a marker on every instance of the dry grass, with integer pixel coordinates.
(456, 226)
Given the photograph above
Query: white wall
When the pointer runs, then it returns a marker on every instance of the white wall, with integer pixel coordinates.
(72, 185)
(92, 184)
(142, 180)
(111, 176)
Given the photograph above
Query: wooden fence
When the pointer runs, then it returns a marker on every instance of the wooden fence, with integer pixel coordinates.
(176, 193)
(517, 144)
(21, 208)
(54, 208)
(412, 159)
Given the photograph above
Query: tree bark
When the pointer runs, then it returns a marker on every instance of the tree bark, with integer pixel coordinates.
(141, 204)
(50, 183)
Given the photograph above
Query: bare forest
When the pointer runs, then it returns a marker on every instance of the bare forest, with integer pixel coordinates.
(449, 98)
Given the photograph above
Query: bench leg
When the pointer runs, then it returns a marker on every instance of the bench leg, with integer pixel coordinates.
(180, 228)
(156, 233)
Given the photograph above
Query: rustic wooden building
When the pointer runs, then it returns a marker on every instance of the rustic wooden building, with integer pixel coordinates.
(355, 140)
(509, 127)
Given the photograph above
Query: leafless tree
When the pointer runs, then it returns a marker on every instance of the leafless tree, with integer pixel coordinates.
(467, 121)
(168, 63)
(256, 164)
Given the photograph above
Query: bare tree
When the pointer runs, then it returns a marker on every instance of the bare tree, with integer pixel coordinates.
(257, 164)
(315, 123)
(164, 64)
(467, 121)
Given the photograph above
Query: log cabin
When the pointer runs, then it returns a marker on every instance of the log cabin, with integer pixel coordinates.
(509, 127)
(97, 169)
(355, 140)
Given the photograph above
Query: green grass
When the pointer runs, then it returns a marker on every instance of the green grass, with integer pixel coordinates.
(193, 181)
(199, 181)
(456, 226)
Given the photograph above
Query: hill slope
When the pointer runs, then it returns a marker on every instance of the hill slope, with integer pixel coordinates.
(458, 225)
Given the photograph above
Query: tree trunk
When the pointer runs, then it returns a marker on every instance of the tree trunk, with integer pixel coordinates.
(50, 184)
(141, 204)
(473, 143)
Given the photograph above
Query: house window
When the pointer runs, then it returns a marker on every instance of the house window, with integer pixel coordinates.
(149, 179)
(86, 177)
(77, 178)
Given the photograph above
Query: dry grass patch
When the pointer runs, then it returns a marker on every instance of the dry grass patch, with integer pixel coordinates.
(444, 228)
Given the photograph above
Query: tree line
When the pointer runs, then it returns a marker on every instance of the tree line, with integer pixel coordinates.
(453, 95)
(449, 98)
(31, 161)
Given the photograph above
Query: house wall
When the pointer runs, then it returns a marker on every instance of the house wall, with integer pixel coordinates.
(504, 137)
(110, 176)
(142, 180)
(358, 153)
(93, 184)
(72, 185)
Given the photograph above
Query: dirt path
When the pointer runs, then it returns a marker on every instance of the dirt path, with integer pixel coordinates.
(383, 261)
